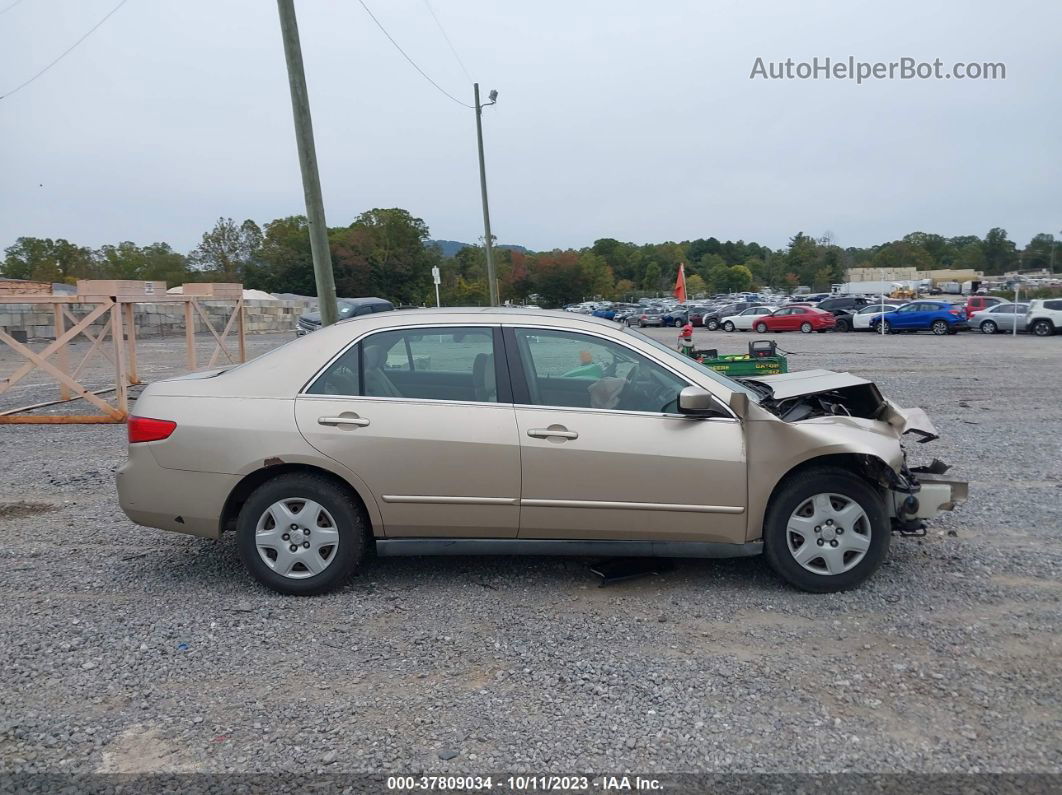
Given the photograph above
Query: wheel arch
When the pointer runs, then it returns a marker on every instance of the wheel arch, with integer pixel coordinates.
(1047, 320)
(251, 481)
(868, 467)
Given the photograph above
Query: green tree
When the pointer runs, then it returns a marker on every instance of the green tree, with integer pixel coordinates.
(695, 286)
(1037, 253)
(1001, 254)
(651, 279)
(224, 253)
(597, 275)
(972, 256)
(738, 278)
(899, 254)
(393, 243)
(283, 262)
(44, 259)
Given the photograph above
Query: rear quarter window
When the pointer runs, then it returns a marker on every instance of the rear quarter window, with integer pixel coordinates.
(1053, 305)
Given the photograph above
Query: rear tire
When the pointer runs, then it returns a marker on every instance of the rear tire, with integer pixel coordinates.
(712, 325)
(988, 327)
(806, 328)
(345, 520)
(842, 325)
(781, 529)
(1043, 328)
(939, 327)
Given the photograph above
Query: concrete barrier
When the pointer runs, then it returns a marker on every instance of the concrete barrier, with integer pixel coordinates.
(160, 319)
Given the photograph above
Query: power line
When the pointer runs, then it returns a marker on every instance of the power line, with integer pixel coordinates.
(411, 61)
(5, 10)
(448, 42)
(65, 53)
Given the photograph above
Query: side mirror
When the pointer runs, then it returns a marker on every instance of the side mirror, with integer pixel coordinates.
(696, 402)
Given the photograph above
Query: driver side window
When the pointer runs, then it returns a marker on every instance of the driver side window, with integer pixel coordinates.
(576, 370)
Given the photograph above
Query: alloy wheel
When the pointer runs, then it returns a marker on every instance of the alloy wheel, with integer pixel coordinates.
(940, 327)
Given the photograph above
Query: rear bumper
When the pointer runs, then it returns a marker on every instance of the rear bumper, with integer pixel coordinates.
(172, 499)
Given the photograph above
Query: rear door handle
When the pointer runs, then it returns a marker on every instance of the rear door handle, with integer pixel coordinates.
(553, 431)
(361, 422)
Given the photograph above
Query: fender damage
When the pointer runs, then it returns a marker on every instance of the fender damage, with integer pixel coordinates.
(830, 413)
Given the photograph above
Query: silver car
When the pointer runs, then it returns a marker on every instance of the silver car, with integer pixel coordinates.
(500, 431)
(1000, 318)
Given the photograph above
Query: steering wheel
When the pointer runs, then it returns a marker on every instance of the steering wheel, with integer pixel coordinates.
(640, 390)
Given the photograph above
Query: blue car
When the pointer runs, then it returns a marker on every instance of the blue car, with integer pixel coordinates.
(940, 317)
(607, 314)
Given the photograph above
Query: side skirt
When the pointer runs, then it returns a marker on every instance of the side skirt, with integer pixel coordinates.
(396, 547)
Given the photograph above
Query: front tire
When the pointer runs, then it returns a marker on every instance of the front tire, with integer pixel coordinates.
(728, 326)
(826, 530)
(761, 328)
(301, 534)
(843, 325)
(806, 328)
(989, 327)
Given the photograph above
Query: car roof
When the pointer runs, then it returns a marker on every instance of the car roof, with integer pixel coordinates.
(363, 301)
(485, 314)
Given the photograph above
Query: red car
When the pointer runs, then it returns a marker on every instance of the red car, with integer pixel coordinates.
(797, 318)
(976, 303)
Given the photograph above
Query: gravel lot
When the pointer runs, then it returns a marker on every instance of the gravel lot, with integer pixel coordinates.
(131, 650)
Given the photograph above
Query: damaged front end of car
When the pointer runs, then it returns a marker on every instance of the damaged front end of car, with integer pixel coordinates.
(815, 397)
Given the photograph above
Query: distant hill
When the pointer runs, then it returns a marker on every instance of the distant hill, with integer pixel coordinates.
(451, 247)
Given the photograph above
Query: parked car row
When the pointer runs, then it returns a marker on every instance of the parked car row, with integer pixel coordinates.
(766, 313)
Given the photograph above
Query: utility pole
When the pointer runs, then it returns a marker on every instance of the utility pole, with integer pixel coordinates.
(492, 279)
(311, 179)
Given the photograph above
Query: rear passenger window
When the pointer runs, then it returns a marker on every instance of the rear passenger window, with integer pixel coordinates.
(1053, 305)
(341, 377)
(432, 364)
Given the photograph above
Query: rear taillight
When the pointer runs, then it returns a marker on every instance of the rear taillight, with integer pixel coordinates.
(146, 429)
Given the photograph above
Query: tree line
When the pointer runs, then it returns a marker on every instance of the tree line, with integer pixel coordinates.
(388, 253)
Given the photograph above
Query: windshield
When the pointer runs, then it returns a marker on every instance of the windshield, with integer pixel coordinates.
(729, 383)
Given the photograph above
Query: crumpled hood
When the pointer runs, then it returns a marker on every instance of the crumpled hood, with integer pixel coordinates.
(842, 394)
(807, 382)
(910, 421)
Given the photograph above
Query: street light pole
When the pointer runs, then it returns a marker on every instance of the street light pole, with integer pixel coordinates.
(311, 179)
(492, 280)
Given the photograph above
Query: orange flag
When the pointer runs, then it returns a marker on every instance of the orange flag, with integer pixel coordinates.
(680, 283)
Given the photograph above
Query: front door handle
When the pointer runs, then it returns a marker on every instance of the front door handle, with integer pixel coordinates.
(558, 431)
(361, 422)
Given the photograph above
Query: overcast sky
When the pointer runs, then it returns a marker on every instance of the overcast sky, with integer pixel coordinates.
(635, 120)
